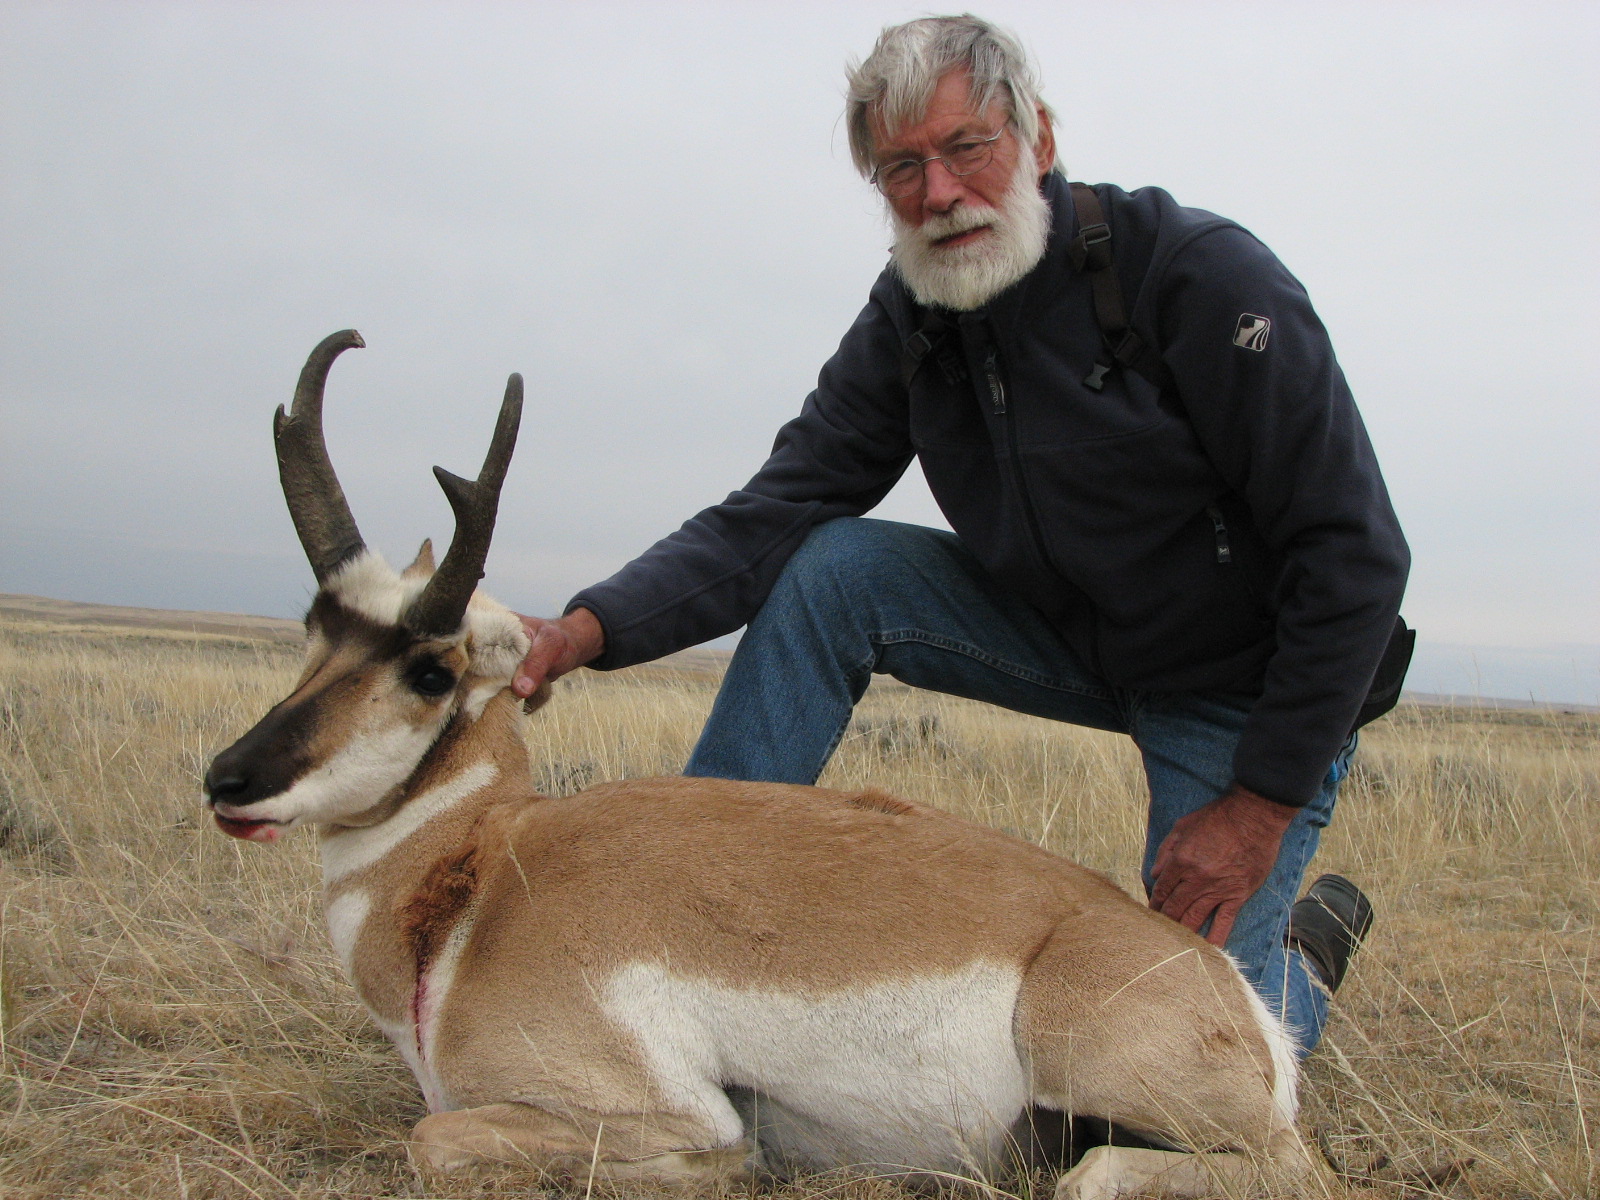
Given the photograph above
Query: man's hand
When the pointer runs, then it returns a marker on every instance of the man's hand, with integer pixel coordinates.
(557, 647)
(1216, 857)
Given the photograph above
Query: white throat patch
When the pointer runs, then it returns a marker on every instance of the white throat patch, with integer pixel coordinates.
(345, 917)
(352, 849)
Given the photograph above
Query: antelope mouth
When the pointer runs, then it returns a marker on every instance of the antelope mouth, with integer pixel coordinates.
(250, 831)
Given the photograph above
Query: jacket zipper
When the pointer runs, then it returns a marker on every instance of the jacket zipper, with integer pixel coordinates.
(997, 399)
(997, 389)
(997, 394)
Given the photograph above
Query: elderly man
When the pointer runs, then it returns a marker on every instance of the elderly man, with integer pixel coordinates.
(1168, 518)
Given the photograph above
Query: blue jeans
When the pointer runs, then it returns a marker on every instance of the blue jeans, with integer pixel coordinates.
(862, 597)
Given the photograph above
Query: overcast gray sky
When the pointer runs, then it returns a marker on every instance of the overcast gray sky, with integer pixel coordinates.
(648, 209)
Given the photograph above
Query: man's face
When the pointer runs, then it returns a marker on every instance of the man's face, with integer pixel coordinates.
(950, 116)
(960, 240)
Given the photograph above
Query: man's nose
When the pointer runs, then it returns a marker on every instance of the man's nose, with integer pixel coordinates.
(941, 190)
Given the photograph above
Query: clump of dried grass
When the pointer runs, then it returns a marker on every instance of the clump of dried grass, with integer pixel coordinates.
(172, 1022)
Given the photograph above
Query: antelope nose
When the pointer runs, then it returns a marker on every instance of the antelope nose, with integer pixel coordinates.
(225, 783)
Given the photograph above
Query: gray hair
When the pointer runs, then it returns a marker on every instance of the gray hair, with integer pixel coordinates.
(896, 81)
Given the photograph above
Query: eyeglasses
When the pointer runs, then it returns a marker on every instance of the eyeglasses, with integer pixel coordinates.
(964, 156)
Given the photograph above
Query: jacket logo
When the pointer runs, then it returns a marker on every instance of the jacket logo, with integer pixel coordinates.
(1252, 331)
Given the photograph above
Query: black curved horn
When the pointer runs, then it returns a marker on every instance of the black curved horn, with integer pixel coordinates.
(317, 505)
(437, 612)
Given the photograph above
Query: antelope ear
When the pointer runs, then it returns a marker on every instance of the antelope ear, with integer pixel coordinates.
(422, 566)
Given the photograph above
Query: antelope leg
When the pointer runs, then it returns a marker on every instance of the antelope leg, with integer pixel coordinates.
(660, 1146)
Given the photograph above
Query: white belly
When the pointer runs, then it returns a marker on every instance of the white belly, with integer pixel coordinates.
(918, 1072)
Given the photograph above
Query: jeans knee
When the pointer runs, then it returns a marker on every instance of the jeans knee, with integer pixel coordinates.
(847, 550)
(848, 569)
(841, 539)
(813, 575)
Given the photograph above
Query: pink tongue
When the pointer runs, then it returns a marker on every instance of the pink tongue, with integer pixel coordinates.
(250, 831)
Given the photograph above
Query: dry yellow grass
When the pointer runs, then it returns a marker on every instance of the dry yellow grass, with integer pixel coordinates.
(173, 1024)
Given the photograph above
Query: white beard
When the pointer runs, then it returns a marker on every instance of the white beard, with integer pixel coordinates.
(969, 276)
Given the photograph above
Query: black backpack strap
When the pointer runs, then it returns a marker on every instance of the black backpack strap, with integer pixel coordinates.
(1091, 251)
(912, 353)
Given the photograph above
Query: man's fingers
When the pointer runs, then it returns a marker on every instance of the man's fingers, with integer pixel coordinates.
(1164, 878)
(1161, 890)
(1158, 873)
(1222, 922)
(544, 647)
(1183, 898)
(1194, 913)
(1193, 902)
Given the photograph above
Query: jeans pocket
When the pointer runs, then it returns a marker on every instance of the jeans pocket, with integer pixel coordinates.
(1320, 811)
(1341, 761)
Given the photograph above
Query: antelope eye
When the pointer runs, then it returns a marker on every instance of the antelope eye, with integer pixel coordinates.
(431, 680)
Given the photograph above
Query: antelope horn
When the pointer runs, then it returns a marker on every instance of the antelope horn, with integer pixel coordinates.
(316, 501)
(437, 612)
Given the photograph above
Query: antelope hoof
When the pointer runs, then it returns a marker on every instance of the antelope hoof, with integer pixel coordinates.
(1094, 1178)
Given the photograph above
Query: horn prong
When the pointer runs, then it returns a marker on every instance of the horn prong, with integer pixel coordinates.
(475, 502)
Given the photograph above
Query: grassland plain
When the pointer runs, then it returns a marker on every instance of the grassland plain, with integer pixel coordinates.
(174, 1024)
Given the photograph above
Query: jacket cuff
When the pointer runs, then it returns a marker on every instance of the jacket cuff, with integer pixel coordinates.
(613, 656)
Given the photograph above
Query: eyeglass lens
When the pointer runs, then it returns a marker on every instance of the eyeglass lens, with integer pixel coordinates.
(965, 157)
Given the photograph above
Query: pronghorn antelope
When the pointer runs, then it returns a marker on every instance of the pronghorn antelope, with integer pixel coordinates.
(692, 978)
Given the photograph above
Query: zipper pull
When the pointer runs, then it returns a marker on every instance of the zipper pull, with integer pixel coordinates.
(1224, 551)
(997, 390)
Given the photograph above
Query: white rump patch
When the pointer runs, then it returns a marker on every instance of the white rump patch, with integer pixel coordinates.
(1285, 1064)
(351, 849)
(918, 1071)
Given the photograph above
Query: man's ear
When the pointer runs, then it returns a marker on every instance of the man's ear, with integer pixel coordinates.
(1044, 149)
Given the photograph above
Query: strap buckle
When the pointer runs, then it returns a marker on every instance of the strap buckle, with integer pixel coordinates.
(918, 345)
(1128, 348)
(1092, 247)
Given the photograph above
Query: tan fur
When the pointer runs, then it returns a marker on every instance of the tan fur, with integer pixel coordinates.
(882, 802)
(515, 917)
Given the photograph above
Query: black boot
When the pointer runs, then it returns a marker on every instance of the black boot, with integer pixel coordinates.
(1327, 926)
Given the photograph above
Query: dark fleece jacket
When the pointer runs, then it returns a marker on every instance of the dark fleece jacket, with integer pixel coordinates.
(1228, 530)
